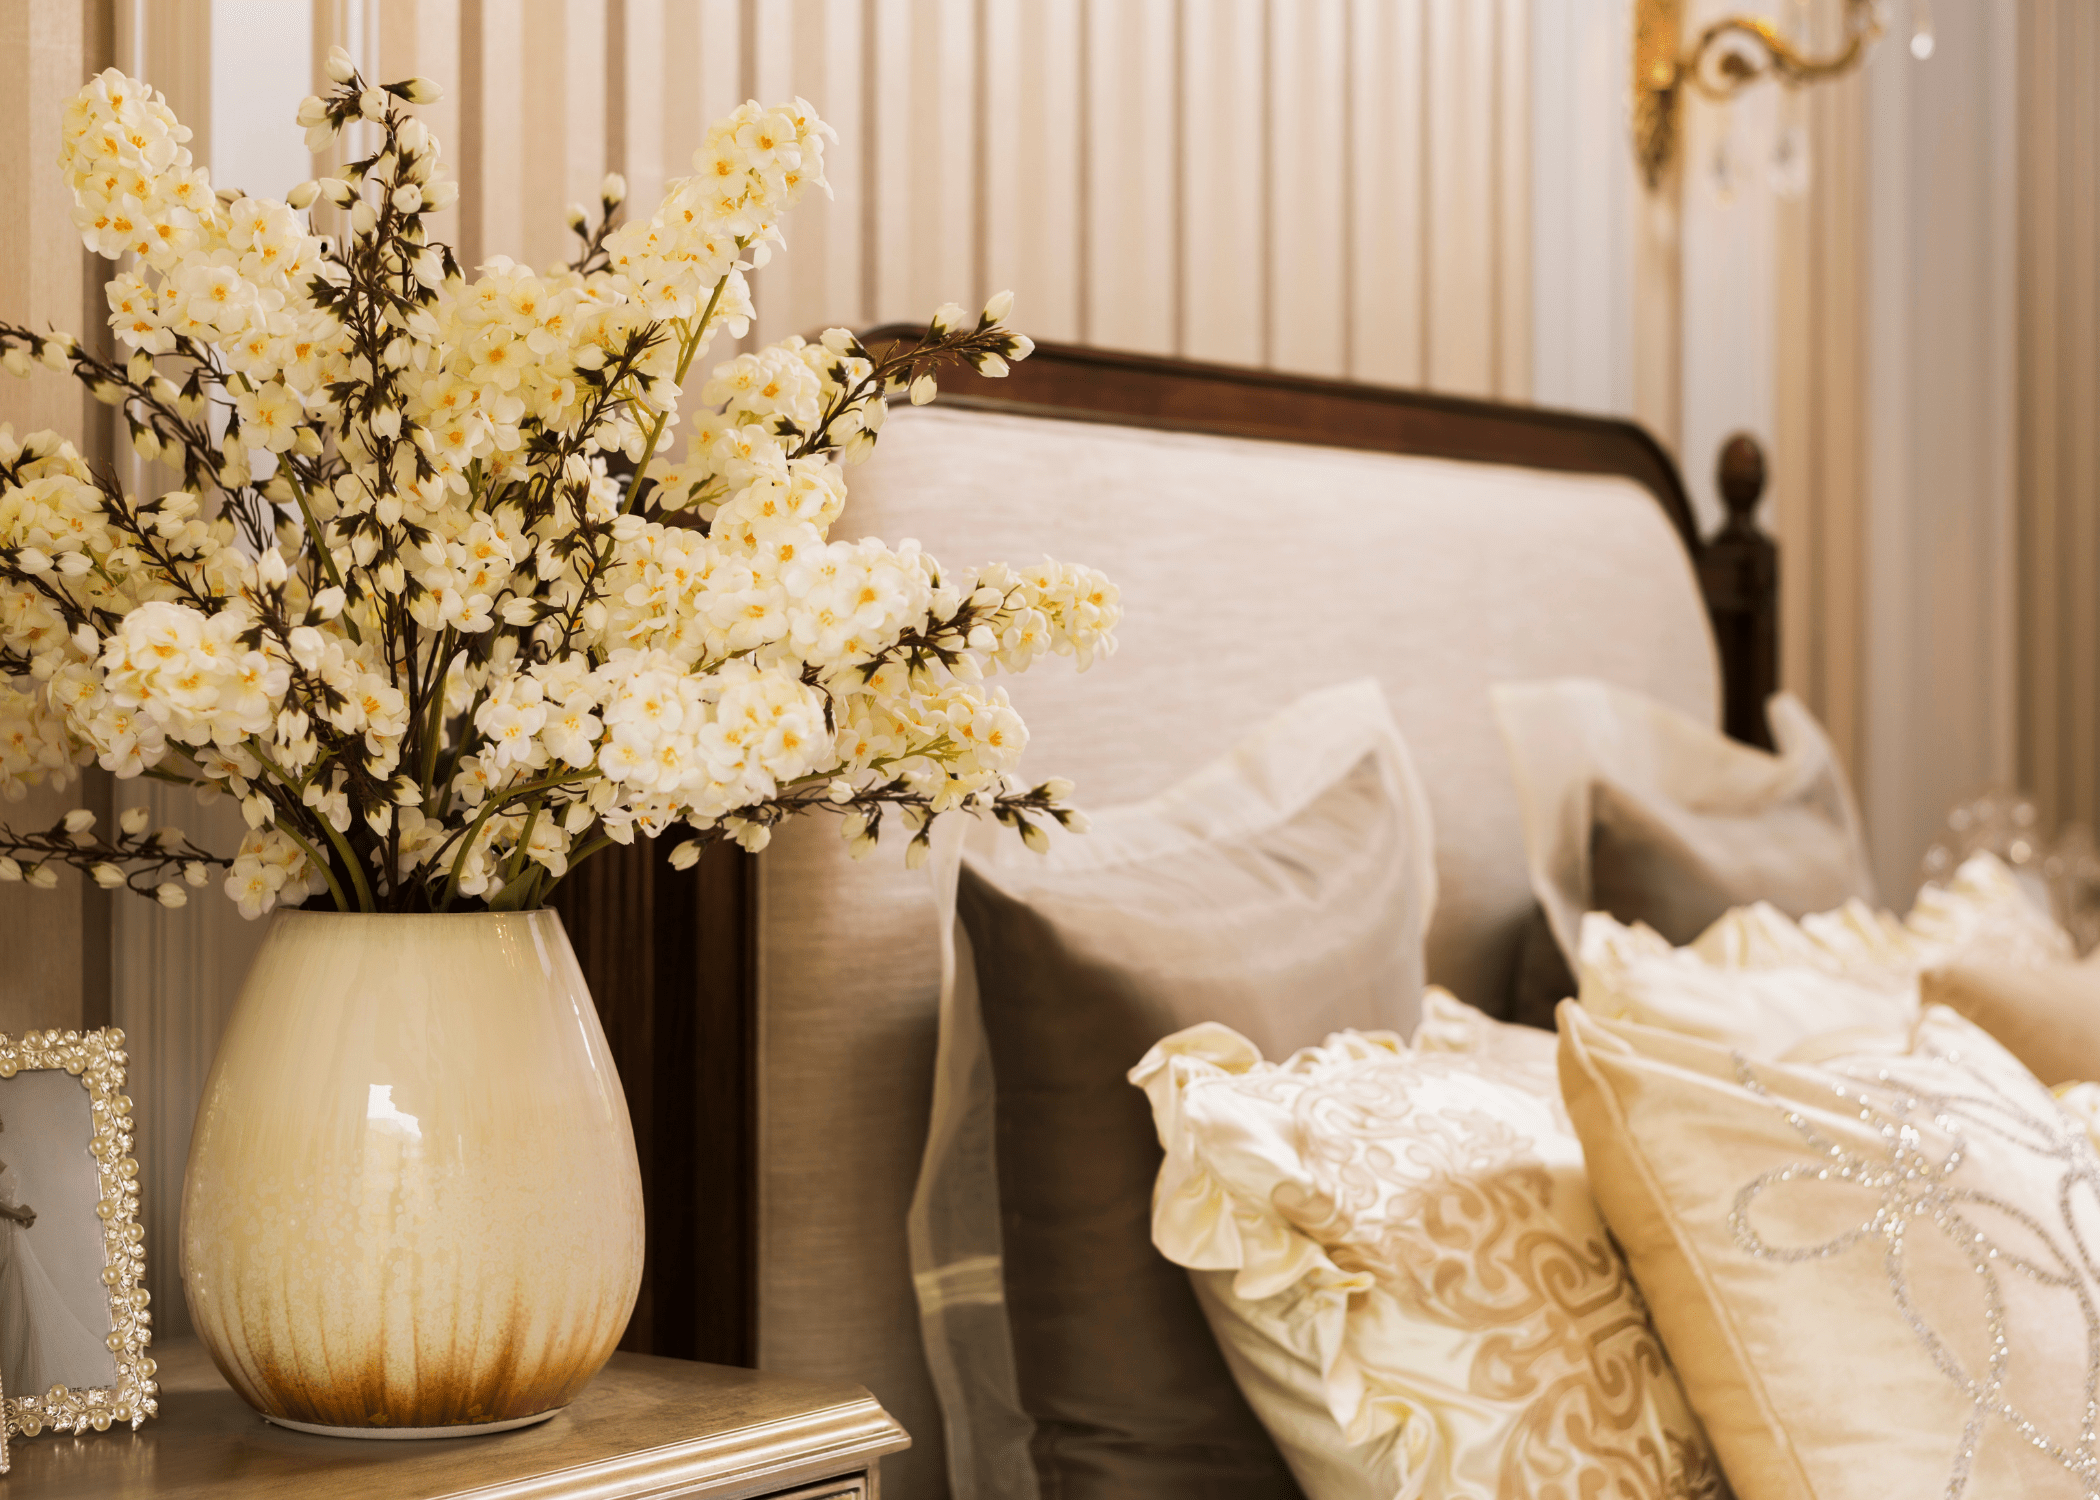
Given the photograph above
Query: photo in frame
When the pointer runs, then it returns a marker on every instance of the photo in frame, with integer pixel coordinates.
(73, 1321)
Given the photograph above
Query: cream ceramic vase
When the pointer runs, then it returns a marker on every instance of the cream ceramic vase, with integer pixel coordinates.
(412, 1207)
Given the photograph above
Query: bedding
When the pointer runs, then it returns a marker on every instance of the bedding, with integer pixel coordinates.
(1760, 981)
(1633, 808)
(2046, 1015)
(1873, 1274)
(1283, 889)
(1397, 1250)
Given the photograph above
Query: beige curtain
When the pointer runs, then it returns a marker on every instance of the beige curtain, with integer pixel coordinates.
(2059, 407)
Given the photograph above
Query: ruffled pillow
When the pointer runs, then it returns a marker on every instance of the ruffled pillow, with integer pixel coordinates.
(1763, 983)
(1397, 1250)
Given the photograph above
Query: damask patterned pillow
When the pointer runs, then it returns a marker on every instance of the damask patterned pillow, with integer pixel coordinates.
(1874, 1275)
(1398, 1253)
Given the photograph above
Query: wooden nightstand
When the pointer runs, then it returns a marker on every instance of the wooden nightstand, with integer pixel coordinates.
(666, 1429)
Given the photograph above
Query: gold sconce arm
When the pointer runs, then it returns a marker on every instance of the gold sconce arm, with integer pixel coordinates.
(1729, 56)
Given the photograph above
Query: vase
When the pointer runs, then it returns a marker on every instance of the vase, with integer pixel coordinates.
(412, 1206)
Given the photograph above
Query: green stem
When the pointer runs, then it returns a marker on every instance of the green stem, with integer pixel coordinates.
(488, 810)
(685, 359)
(340, 844)
(437, 716)
(313, 858)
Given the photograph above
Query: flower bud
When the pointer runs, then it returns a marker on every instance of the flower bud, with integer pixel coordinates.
(685, 856)
(420, 90)
(372, 104)
(991, 365)
(79, 820)
(408, 198)
(1034, 837)
(916, 851)
(312, 111)
(1002, 303)
(339, 67)
(10, 871)
(363, 218)
(1057, 789)
(329, 603)
(171, 895)
(923, 390)
(133, 821)
(196, 873)
(106, 875)
(16, 363)
(270, 569)
(336, 191)
(43, 877)
(438, 196)
(577, 219)
(613, 191)
(947, 318)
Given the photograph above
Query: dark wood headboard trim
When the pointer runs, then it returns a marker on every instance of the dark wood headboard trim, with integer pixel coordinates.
(671, 956)
(1078, 383)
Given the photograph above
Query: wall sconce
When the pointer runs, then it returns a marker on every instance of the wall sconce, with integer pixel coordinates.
(1729, 56)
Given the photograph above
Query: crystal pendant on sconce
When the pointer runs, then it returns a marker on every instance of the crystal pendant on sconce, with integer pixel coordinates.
(1790, 169)
(1724, 169)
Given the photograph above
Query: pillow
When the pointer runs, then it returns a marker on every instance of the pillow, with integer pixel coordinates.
(1632, 808)
(2048, 1016)
(1398, 1253)
(1284, 890)
(1762, 982)
(1872, 1275)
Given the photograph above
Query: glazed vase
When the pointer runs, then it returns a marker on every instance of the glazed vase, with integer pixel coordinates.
(412, 1206)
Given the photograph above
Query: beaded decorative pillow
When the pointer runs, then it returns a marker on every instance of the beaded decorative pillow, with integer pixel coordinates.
(1396, 1250)
(1875, 1276)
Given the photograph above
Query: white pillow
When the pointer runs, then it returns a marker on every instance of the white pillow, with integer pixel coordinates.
(1398, 1252)
(1758, 981)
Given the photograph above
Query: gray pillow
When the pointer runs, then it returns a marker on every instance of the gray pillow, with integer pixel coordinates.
(1633, 809)
(1285, 930)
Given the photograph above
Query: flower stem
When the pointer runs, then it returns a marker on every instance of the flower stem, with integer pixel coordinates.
(685, 359)
(313, 858)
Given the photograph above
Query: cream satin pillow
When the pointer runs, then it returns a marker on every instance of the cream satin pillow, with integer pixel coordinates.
(1398, 1254)
(1832, 1253)
(1763, 982)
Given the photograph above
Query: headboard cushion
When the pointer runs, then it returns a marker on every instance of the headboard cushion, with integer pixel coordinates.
(1251, 572)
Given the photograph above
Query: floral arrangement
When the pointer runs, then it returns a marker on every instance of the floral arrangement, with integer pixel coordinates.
(430, 600)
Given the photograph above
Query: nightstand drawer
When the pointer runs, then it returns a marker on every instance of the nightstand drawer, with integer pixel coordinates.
(854, 1487)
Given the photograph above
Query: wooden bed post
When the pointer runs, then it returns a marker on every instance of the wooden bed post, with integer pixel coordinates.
(1739, 573)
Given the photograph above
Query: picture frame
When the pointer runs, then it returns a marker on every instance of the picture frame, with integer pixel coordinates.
(74, 1329)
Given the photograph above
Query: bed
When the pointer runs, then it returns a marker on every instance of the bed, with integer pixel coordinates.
(774, 1017)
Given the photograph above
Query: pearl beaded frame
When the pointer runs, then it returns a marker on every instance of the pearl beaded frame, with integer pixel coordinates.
(98, 1060)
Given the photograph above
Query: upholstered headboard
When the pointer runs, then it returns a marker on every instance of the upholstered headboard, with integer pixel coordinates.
(775, 1017)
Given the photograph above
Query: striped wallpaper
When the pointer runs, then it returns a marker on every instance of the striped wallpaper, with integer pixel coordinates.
(1338, 187)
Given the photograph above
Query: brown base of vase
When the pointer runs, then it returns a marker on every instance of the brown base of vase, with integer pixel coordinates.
(465, 1429)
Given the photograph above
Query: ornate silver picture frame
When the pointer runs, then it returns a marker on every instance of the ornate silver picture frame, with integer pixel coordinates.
(73, 1321)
